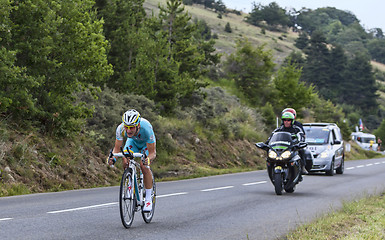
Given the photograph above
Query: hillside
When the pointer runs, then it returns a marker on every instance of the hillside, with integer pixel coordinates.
(280, 43)
(31, 161)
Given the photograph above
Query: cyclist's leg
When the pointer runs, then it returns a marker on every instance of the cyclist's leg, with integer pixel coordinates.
(147, 176)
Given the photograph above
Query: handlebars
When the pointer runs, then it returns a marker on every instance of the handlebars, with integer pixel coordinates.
(127, 154)
(134, 155)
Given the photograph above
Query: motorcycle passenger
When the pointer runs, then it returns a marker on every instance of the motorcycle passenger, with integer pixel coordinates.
(289, 126)
(140, 139)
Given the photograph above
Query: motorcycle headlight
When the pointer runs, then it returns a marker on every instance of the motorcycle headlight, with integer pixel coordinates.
(324, 154)
(272, 154)
(285, 154)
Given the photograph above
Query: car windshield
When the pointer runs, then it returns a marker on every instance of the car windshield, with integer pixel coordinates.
(281, 138)
(316, 135)
(367, 140)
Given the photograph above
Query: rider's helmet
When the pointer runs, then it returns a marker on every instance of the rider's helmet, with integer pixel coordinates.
(290, 110)
(288, 115)
(131, 118)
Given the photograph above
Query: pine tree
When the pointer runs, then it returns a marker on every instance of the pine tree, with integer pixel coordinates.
(334, 88)
(228, 28)
(123, 23)
(360, 85)
(302, 41)
(316, 69)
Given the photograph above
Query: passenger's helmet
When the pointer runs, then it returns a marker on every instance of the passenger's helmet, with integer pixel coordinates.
(290, 110)
(288, 115)
(131, 118)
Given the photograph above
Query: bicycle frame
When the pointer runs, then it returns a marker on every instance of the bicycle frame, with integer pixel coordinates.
(138, 186)
(132, 193)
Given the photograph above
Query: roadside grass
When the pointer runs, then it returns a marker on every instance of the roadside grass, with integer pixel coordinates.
(357, 152)
(360, 219)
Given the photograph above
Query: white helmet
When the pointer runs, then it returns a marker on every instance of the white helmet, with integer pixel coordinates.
(131, 118)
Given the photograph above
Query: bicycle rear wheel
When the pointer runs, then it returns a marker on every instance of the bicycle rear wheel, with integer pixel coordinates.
(147, 216)
(127, 201)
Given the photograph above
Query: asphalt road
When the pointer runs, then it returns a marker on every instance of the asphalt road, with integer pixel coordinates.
(232, 206)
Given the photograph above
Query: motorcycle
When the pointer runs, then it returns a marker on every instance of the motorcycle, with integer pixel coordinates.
(283, 161)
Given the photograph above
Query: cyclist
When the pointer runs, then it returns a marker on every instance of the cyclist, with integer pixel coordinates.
(140, 139)
(289, 126)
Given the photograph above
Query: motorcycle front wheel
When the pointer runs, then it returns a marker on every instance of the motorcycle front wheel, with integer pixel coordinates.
(278, 183)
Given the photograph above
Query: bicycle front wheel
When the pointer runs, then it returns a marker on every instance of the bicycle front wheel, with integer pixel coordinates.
(127, 199)
(147, 216)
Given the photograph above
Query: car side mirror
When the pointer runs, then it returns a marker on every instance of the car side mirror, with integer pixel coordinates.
(337, 142)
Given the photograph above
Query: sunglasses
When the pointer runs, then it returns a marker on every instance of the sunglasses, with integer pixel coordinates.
(286, 120)
(129, 127)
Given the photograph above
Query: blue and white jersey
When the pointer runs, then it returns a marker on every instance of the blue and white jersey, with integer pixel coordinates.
(145, 135)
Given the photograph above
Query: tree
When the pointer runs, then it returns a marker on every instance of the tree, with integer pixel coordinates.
(123, 25)
(251, 68)
(228, 28)
(316, 68)
(360, 87)
(15, 84)
(220, 7)
(376, 49)
(272, 14)
(61, 48)
(333, 88)
(188, 55)
(326, 111)
(302, 41)
(289, 92)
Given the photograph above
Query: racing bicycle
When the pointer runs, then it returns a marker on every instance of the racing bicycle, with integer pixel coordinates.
(132, 192)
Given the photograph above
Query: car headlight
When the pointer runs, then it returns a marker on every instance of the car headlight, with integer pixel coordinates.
(272, 154)
(285, 154)
(324, 154)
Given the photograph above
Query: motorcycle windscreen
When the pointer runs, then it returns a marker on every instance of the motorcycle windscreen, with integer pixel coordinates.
(283, 139)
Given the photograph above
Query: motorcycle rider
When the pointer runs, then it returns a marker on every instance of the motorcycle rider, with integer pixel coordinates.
(288, 125)
(292, 110)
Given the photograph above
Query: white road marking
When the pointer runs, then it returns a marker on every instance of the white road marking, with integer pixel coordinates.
(172, 194)
(5, 219)
(82, 208)
(214, 189)
(177, 194)
(254, 183)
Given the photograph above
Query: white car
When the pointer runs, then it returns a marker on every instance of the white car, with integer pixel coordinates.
(366, 141)
(327, 147)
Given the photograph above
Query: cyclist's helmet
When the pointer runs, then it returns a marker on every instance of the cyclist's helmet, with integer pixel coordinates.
(131, 118)
(288, 115)
(290, 110)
